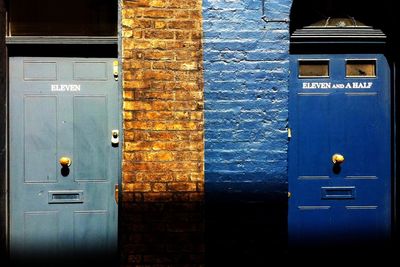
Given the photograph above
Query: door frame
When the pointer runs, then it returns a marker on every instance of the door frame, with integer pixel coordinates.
(3, 135)
(51, 47)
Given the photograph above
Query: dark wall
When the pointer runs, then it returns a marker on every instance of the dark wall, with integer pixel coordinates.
(304, 13)
(380, 16)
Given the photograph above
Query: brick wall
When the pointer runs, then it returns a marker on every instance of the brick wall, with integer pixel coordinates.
(246, 111)
(163, 166)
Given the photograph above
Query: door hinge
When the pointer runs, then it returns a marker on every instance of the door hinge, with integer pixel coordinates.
(115, 69)
(116, 193)
(289, 133)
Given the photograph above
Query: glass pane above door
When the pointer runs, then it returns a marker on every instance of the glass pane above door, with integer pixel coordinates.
(63, 18)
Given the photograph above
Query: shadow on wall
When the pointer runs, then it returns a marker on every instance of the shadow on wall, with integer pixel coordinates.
(161, 232)
(246, 222)
(242, 224)
(45, 259)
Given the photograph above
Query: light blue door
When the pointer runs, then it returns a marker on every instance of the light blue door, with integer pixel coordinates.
(63, 109)
(340, 150)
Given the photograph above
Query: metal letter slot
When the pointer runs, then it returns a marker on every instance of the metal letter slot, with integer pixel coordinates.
(115, 137)
(116, 193)
(338, 192)
(64, 197)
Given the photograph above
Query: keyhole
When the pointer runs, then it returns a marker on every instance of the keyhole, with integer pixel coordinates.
(65, 171)
(336, 168)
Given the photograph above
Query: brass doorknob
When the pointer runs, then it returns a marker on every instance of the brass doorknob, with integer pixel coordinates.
(65, 161)
(337, 159)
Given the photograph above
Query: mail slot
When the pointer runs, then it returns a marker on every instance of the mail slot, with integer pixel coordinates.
(60, 197)
(338, 192)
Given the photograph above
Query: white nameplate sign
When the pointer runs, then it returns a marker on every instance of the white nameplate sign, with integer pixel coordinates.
(329, 85)
(65, 87)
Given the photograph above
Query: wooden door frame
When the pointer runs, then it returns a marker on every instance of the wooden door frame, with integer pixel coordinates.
(3, 131)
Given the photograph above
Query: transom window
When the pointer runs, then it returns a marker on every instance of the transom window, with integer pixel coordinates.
(62, 18)
(360, 68)
(313, 68)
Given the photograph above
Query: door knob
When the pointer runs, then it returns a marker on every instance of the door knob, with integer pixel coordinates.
(65, 162)
(337, 159)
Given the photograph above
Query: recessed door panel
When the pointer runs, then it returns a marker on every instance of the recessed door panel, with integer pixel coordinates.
(362, 129)
(90, 71)
(91, 144)
(90, 231)
(40, 138)
(41, 231)
(314, 108)
(40, 71)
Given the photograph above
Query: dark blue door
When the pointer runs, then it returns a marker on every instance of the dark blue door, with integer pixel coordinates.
(63, 165)
(339, 112)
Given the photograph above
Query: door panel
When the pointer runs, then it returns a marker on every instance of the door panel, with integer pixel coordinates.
(313, 108)
(91, 145)
(40, 71)
(343, 203)
(90, 71)
(41, 231)
(40, 138)
(361, 130)
(63, 107)
(90, 230)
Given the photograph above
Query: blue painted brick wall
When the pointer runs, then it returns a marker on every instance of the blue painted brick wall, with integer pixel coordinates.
(246, 70)
(246, 93)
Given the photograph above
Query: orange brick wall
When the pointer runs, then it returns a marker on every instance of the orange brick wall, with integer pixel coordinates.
(163, 167)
